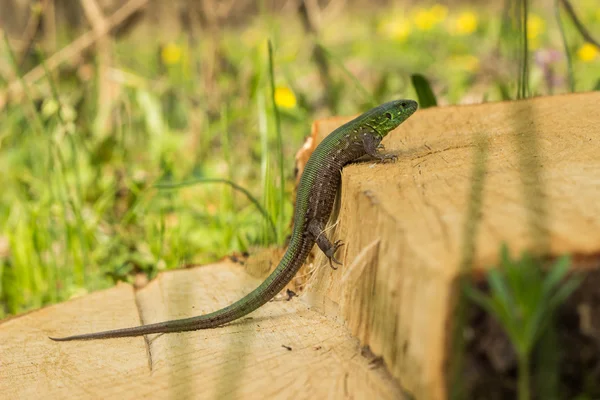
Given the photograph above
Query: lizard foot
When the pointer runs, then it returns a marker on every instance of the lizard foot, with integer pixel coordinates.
(330, 254)
(386, 157)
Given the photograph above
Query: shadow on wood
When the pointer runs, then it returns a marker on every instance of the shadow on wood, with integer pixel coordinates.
(404, 223)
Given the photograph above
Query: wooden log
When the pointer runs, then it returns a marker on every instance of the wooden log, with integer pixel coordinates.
(404, 223)
(284, 350)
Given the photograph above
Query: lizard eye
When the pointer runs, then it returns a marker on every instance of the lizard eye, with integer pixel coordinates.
(388, 115)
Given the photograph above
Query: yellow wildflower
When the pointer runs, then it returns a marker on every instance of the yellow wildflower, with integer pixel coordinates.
(535, 26)
(425, 19)
(588, 52)
(171, 54)
(396, 29)
(466, 23)
(439, 12)
(284, 97)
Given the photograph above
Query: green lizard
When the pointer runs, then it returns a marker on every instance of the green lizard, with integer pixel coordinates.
(316, 194)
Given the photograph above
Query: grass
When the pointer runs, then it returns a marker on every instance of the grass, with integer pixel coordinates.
(280, 199)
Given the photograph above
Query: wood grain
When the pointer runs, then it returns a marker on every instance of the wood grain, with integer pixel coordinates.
(404, 223)
(245, 359)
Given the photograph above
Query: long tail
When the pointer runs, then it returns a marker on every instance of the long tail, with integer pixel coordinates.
(279, 278)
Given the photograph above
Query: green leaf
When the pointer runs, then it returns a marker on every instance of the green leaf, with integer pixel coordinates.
(424, 91)
(500, 291)
(494, 306)
(556, 273)
(564, 292)
(597, 85)
(504, 91)
(481, 299)
(505, 255)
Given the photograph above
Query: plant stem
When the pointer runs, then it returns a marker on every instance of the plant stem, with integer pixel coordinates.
(580, 27)
(281, 199)
(524, 389)
(563, 35)
(524, 92)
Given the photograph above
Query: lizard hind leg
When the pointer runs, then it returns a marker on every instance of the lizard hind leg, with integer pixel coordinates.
(316, 229)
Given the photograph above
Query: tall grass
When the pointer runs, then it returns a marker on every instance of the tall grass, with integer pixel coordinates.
(281, 198)
(79, 206)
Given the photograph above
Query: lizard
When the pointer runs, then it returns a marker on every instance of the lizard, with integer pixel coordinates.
(315, 197)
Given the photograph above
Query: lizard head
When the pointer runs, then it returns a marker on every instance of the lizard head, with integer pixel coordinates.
(388, 116)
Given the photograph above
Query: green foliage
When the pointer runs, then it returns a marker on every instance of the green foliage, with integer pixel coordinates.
(523, 299)
(260, 208)
(424, 92)
(504, 92)
(79, 208)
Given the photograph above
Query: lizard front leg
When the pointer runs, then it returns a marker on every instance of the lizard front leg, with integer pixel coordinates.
(316, 229)
(372, 144)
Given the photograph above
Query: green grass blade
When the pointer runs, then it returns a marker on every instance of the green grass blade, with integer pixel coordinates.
(556, 273)
(265, 157)
(171, 186)
(76, 200)
(226, 146)
(563, 293)
(480, 298)
(500, 291)
(494, 307)
(279, 150)
(563, 35)
(424, 92)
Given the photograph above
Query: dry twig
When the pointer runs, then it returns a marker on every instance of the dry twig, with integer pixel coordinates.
(73, 49)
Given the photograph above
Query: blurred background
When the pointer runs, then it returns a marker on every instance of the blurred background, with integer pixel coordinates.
(105, 103)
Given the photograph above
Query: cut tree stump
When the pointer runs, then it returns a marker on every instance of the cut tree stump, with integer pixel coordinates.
(404, 226)
(284, 351)
(404, 223)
